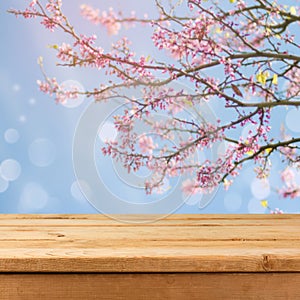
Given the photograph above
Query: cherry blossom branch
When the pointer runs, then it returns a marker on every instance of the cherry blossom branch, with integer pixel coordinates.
(243, 57)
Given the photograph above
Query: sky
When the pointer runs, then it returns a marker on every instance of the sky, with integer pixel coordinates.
(37, 135)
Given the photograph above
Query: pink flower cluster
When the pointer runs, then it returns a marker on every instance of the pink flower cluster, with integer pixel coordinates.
(290, 188)
(55, 18)
(65, 52)
(51, 86)
(276, 211)
(293, 88)
(108, 19)
(146, 144)
(191, 43)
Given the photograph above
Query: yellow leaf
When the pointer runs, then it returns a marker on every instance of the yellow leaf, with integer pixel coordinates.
(264, 203)
(250, 152)
(293, 10)
(188, 102)
(262, 77)
(268, 150)
(275, 79)
(56, 47)
(259, 77)
(268, 31)
(40, 60)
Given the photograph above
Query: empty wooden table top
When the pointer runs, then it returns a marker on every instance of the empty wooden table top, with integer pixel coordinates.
(178, 243)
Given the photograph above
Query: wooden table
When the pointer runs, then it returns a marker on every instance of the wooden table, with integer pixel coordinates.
(180, 257)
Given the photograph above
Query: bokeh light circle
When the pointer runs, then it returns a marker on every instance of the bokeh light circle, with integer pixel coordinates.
(33, 198)
(11, 135)
(260, 188)
(70, 85)
(292, 119)
(10, 169)
(42, 152)
(4, 184)
(108, 132)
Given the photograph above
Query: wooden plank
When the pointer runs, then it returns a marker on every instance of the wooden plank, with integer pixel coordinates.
(179, 243)
(178, 233)
(195, 286)
(129, 261)
(185, 220)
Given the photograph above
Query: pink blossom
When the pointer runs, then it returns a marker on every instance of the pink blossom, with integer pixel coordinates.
(53, 6)
(44, 87)
(293, 89)
(276, 211)
(32, 3)
(146, 144)
(49, 24)
(189, 187)
(287, 176)
(65, 52)
(107, 19)
(292, 191)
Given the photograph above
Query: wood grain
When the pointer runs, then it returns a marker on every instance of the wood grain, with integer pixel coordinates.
(178, 243)
(191, 286)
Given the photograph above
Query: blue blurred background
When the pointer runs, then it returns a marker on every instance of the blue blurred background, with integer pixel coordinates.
(36, 134)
